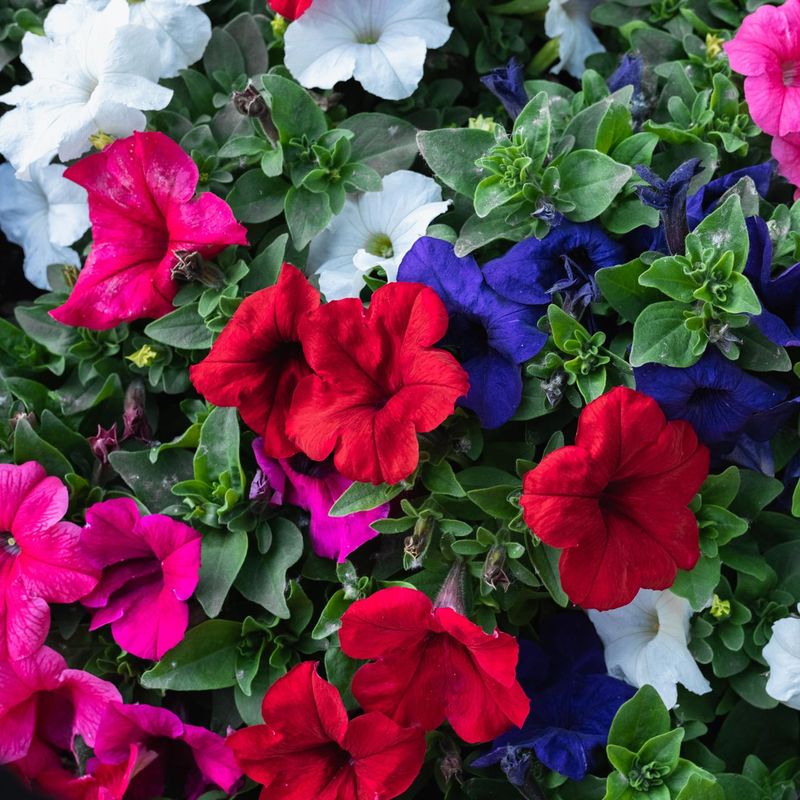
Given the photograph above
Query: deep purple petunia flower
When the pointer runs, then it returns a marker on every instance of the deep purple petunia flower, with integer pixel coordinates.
(507, 85)
(493, 334)
(573, 701)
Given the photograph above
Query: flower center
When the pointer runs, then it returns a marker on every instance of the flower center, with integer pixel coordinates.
(790, 70)
(379, 244)
(8, 544)
(370, 36)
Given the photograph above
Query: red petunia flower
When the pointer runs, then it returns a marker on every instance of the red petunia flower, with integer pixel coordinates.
(616, 500)
(309, 749)
(291, 9)
(378, 382)
(143, 211)
(257, 361)
(432, 665)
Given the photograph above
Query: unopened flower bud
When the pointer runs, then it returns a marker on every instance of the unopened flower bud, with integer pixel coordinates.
(249, 102)
(193, 268)
(105, 441)
(261, 490)
(451, 595)
(28, 416)
(133, 415)
(279, 25)
(450, 762)
(417, 544)
(554, 386)
(494, 574)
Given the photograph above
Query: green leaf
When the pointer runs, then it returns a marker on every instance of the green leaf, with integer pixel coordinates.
(223, 554)
(440, 478)
(257, 198)
(451, 154)
(204, 660)
(262, 578)
(720, 490)
(698, 584)
(491, 193)
(29, 446)
(150, 482)
(222, 54)
(534, 123)
(218, 449)
(725, 230)
(545, 560)
(382, 142)
(664, 749)
(363, 497)
(330, 618)
(660, 336)
(759, 354)
(667, 275)
(700, 787)
(639, 719)
(307, 214)
(183, 328)
(591, 181)
(42, 328)
(621, 288)
(294, 113)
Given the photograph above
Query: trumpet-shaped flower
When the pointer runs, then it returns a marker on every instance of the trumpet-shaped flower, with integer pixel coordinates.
(646, 641)
(44, 215)
(100, 76)
(150, 569)
(376, 229)
(570, 21)
(766, 49)
(380, 44)
(40, 558)
(143, 212)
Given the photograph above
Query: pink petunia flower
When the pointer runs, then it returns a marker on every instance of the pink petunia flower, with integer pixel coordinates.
(150, 569)
(186, 758)
(767, 50)
(786, 151)
(44, 705)
(315, 486)
(144, 213)
(40, 557)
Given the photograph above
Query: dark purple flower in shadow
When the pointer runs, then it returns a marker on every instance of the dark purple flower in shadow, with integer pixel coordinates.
(628, 73)
(506, 84)
(573, 702)
(493, 335)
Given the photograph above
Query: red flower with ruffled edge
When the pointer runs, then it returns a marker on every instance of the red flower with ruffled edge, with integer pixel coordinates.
(616, 501)
(309, 749)
(257, 361)
(143, 211)
(378, 382)
(432, 665)
(291, 9)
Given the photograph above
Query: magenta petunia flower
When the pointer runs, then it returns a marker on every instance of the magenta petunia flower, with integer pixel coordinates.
(315, 486)
(145, 219)
(40, 557)
(150, 569)
(187, 759)
(767, 50)
(44, 705)
(786, 151)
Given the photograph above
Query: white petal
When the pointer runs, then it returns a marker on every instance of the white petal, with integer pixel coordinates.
(21, 204)
(65, 19)
(67, 205)
(570, 21)
(392, 67)
(424, 18)
(40, 254)
(336, 284)
(782, 653)
(182, 30)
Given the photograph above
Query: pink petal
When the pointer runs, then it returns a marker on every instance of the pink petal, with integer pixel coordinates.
(215, 760)
(110, 534)
(90, 697)
(15, 484)
(135, 723)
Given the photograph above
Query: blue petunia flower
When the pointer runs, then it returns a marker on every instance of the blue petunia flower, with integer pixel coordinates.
(507, 85)
(564, 261)
(573, 701)
(493, 335)
(629, 73)
(706, 199)
(721, 401)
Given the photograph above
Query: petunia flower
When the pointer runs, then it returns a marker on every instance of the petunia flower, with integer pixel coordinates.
(40, 558)
(782, 654)
(375, 229)
(720, 400)
(564, 261)
(44, 705)
(179, 759)
(493, 335)
(100, 77)
(182, 30)
(378, 382)
(290, 9)
(508, 86)
(646, 642)
(766, 49)
(315, 486)
(707, 198)
(573, 700)
(382, 45)
(616, 501)
(44, 215)
(150, 569)
(308, 748)
(786, 151)
(257, 361)
(432, 664)
(571, 22)
(143, 212)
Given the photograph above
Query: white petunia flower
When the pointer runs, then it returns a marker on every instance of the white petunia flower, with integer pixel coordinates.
(782, 653)
(43, 215)
(99, 76)
(181, 29)
(374, 230)
(646, 643)
(380, 43)
(570, 21)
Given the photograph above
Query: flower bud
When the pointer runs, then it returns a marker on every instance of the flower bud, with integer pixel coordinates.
(450, 762)
(134, 419)
(261, 490)
(417, 544)
(29, 416)
(105, 441)
(451, 595)
(493, 574)
(193, 268)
